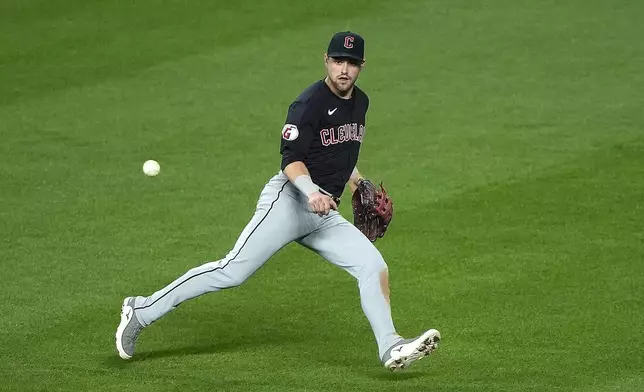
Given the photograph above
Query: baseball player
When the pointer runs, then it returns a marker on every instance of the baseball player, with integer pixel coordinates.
(320, 143)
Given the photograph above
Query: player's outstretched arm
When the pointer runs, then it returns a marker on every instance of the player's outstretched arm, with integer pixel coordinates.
(299, 176)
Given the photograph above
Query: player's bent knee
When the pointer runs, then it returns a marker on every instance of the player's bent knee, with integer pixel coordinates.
(235, 281)
(375, 267)
(379, 264)
(222, 279)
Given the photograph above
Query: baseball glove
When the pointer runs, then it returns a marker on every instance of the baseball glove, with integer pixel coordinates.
(372, 209)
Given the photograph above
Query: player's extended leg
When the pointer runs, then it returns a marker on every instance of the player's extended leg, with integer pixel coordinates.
(273, 225)
(344, 245)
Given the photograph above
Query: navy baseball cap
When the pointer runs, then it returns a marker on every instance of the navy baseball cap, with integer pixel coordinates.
(346, 44)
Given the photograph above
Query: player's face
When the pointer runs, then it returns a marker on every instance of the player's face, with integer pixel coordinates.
(342, 73)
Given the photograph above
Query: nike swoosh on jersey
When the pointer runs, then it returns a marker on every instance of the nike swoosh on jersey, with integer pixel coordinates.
(331, 111)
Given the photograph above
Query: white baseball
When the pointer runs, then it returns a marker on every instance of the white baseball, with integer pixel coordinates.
(151, 168)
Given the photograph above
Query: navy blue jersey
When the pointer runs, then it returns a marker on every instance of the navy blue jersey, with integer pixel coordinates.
(324, 132)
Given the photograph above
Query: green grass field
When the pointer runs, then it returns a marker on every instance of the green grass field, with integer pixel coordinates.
(510, 134)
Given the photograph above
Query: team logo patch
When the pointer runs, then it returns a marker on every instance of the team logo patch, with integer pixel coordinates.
(348, 42)
(290, 132)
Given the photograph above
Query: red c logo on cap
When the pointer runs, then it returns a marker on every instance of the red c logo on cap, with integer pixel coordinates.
(348, 42)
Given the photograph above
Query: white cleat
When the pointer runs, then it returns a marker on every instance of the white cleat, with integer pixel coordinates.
(128, 330)
(402, 354)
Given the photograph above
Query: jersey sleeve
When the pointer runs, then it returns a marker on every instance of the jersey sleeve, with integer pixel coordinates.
(297, 133)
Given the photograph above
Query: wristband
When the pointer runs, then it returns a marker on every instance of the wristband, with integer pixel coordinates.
(305, 185)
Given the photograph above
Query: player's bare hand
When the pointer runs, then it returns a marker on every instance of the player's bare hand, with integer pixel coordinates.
(321, 204)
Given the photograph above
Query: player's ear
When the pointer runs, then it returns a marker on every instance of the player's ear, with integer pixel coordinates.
(326, 58)
(364, 62)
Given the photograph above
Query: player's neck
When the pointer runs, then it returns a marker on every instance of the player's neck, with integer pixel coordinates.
(335, 91)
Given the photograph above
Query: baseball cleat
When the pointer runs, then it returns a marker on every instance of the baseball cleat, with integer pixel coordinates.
(402, 354)
(128, 330)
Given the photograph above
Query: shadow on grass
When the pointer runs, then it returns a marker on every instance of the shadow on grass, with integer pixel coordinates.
(233, 344)
(384, 375)
(201, 339)
(187, 351)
